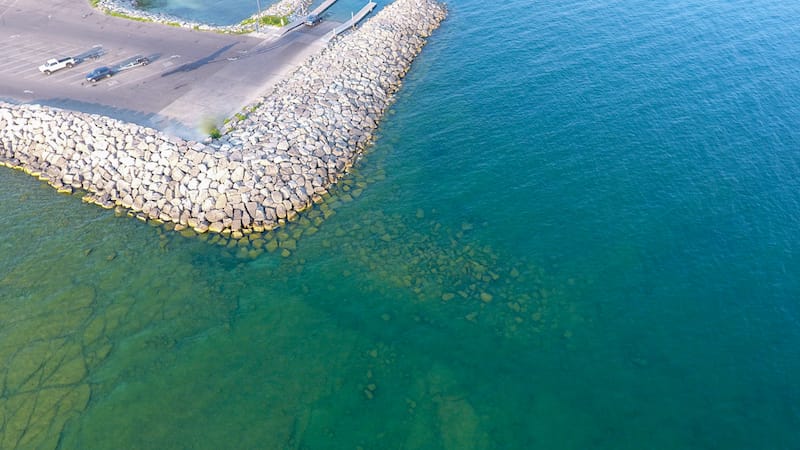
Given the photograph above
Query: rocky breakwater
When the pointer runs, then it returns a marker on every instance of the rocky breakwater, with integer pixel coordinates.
(314, 124)
(270, 165)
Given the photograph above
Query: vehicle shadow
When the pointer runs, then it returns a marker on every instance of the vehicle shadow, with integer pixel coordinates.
(153, 57)
(188, 67)
(93, 53)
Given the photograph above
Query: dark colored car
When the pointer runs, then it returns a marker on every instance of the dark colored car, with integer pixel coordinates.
(134, 62)
(99, 74)
(312, 19)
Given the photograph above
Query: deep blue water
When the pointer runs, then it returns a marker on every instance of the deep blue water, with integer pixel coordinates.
(578, 228)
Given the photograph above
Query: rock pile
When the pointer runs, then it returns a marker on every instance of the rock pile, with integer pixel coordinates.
(273, 163)
(286, 8)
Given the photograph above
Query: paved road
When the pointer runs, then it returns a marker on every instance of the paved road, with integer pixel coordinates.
(194, 77)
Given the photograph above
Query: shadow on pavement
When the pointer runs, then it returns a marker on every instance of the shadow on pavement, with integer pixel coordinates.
(93, 53)
(153, 57)
(188, 67)
(151, 120)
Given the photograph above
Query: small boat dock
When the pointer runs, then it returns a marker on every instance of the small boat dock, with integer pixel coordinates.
(302, 21)
(354, 19)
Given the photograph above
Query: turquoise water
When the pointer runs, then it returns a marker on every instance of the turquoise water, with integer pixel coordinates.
(227, 12)
(577, 229)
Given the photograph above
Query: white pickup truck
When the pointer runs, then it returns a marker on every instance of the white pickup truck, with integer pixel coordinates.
(53, 65)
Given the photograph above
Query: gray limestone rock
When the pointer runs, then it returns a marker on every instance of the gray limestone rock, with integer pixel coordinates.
(295, 142)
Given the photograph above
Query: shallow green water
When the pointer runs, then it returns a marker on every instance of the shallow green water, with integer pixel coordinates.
(577, 229)
(371, 332)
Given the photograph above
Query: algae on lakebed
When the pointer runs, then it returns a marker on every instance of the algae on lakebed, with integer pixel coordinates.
(66, 302)
(353, 331)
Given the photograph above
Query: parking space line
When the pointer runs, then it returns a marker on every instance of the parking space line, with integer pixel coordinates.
(19, 69)
(77, 79)
(20, 52)
(7, 7)
(8, 63)
(24, 71)
(31, 76)
(22, 59)
(123, 83)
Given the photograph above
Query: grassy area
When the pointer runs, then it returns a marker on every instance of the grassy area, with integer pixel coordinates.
(209, 126)
(129, 17)
(276, 21)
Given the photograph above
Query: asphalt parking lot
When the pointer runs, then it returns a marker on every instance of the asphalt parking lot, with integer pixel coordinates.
(22, 60)
(194, 77)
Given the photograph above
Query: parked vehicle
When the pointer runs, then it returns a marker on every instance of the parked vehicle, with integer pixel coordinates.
(99, 74)
(134, 62)
(54, 65)
(313, 19)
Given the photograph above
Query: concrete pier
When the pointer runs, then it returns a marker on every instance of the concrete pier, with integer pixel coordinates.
(300, 21)
(357, 17)
(322, 7)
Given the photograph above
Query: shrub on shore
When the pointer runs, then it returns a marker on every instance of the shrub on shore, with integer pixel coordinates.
(276, 21)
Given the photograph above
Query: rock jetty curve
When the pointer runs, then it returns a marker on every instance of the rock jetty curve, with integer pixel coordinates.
(275, 160)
